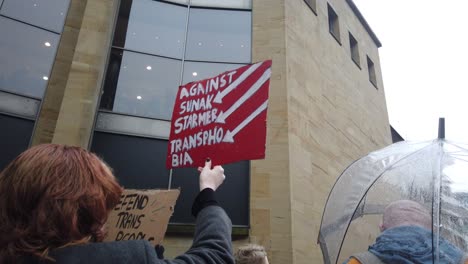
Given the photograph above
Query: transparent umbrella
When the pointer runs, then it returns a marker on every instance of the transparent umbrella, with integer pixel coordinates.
(431, 173)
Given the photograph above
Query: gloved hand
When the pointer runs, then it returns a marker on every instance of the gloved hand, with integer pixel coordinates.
(159, 251)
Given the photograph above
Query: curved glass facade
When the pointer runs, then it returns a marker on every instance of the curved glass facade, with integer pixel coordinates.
(29, 37)
(149, 53)
(157, 46)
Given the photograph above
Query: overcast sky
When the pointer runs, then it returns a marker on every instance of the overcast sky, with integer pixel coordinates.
(424, 57)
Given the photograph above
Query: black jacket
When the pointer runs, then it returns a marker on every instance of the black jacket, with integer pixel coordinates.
(211, 244)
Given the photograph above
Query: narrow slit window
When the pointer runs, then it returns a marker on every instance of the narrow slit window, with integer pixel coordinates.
(371, 69)
(354, 48)
(312, 5)
(333, 24)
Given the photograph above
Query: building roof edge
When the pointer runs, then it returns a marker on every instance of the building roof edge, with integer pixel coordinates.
(364, 22)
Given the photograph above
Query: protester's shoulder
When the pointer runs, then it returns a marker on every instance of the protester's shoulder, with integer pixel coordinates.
(135, 251)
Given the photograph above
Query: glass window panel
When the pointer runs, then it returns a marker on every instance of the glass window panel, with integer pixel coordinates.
(156, 28)
(242, 4)
(49, 14)
(194, 71)
(219, 35)
(333, 24)
(233, 195)
(146, 85)
(15, 139)
(137, 162)
(26, 57)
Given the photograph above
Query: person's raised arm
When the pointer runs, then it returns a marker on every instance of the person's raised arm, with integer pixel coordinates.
(212, 240)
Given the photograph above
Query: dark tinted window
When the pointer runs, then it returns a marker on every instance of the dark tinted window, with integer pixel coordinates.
(354, 49)
(15, 134)
(333, 23)
(130, 158)
(371, 70)
(139, 163)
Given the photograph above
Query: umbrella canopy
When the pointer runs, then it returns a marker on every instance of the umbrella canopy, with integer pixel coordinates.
(431, 173)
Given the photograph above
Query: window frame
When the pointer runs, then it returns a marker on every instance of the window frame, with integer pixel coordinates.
(312, 4)
(333, 23)
(354, 50)
(371, 71)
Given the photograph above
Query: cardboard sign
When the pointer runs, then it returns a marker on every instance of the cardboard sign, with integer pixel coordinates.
(223, 117)
(141, 215)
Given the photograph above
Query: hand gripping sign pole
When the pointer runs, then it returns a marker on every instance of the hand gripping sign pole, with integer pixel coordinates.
(223, 116)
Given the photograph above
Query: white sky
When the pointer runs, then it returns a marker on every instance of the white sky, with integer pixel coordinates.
(424, 57)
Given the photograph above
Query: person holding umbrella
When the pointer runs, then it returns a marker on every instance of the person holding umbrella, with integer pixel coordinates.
(406, 238)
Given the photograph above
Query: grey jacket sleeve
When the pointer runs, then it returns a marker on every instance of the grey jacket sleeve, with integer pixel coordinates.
(212, 241)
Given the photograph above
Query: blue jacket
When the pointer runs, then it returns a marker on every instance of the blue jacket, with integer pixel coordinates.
(413, 245)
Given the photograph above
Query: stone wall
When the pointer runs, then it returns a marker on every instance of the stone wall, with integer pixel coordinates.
(335, 114)
(70, 102)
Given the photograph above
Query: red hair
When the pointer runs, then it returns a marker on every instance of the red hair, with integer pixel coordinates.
(52, 196)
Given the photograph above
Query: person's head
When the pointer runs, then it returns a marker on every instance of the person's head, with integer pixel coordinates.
(52, 196)
(403, 213)
(251, 254)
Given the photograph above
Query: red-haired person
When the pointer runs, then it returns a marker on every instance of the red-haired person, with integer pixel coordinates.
(54, 202)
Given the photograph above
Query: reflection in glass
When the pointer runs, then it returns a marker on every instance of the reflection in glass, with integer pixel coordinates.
(24, 59)
(194, 71)
(133, 89)
(241, 4)
(154, 27)
(219, 35)
(49, 14)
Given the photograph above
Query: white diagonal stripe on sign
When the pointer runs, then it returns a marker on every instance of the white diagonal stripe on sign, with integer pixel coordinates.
(220, 95)
(229, 137)
(264, 78)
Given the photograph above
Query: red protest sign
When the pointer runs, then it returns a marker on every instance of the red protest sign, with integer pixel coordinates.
(223, 117)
